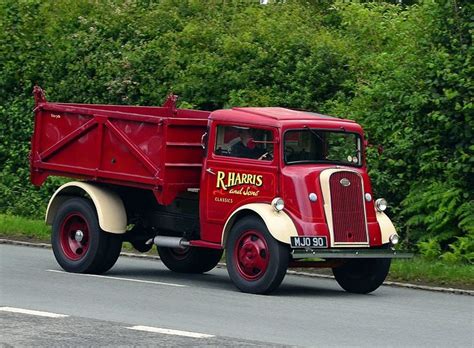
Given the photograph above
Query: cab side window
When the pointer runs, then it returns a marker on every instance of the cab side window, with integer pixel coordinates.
(244, 142)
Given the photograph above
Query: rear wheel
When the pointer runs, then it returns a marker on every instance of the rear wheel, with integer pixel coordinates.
(78, 243)
(189, 259)
(256, 262)
(362, 276)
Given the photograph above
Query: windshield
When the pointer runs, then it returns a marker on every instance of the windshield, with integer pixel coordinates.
(322, 146)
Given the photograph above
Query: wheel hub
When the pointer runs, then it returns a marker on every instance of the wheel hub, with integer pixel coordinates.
(78, 236)
(74, 236)
(251, 254)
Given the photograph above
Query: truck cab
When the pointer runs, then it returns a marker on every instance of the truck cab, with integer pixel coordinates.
(303, 175)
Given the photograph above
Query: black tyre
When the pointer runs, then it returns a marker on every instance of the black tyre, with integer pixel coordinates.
(79, 245)
(189, 260)
(362, 276)
(256, 262)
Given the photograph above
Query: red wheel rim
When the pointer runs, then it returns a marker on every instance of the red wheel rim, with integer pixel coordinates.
(74, 236)
(251, 255)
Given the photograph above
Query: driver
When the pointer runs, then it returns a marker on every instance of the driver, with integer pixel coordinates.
(246, 147)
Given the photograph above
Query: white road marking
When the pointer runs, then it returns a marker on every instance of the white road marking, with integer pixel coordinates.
(118, 278)
(170, 332)
(31, 312)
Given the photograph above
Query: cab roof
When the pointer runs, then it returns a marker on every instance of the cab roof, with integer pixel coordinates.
(275, 117)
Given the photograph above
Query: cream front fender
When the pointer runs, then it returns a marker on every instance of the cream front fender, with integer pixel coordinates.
(386, 227)
(109, 206)
(279, 224)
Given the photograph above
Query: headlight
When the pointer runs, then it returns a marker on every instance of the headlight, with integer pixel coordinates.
(381, 204)
(394, 239)
(278, 204)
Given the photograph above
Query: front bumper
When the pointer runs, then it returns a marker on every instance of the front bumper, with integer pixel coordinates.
(350, 254)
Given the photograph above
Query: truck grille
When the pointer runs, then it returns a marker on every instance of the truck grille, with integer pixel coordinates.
(348, 213)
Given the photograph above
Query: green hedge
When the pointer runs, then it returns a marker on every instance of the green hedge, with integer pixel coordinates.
(403, 72)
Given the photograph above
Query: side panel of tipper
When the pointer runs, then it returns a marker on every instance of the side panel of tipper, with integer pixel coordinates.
(156, 148)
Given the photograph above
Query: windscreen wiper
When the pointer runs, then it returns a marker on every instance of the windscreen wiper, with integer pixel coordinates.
(314, 133)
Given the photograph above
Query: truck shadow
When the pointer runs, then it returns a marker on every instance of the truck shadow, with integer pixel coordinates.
(287, 289)
(219, 280)
(206, 280)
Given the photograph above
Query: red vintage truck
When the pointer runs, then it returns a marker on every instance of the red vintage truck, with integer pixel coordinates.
(274, 187)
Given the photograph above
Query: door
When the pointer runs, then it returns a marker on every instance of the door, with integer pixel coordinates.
(240, 168)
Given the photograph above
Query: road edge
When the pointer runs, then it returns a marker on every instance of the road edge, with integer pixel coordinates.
(298, 273)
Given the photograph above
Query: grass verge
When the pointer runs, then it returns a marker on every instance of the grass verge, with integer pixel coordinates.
(436, 273)
(416, 270)
(24, 229)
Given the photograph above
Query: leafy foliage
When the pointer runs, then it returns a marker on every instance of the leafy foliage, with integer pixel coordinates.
(402, 71)
(461, 251)
(430, 249)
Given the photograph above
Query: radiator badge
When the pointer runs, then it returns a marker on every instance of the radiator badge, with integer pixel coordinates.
(345, 182)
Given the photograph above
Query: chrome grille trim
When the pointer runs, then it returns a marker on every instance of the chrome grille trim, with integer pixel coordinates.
(326, 189)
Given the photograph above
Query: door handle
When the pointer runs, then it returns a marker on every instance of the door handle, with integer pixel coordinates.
(210, 171)
(204, 140)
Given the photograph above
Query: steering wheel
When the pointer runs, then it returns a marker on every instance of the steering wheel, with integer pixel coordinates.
(267, 156)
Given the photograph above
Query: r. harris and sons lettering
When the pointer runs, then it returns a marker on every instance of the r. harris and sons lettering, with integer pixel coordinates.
(233, 179)
(226, 183)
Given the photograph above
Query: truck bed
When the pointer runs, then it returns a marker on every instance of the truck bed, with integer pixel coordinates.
(156, 148)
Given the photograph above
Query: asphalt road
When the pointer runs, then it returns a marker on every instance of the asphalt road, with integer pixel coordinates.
(304, 311)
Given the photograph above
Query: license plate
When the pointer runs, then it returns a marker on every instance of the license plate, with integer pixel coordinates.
(308, 242)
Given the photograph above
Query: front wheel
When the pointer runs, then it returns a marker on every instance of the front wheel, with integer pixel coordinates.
(256, 262)
(78, 243)
(189, 259)
(362, 276)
